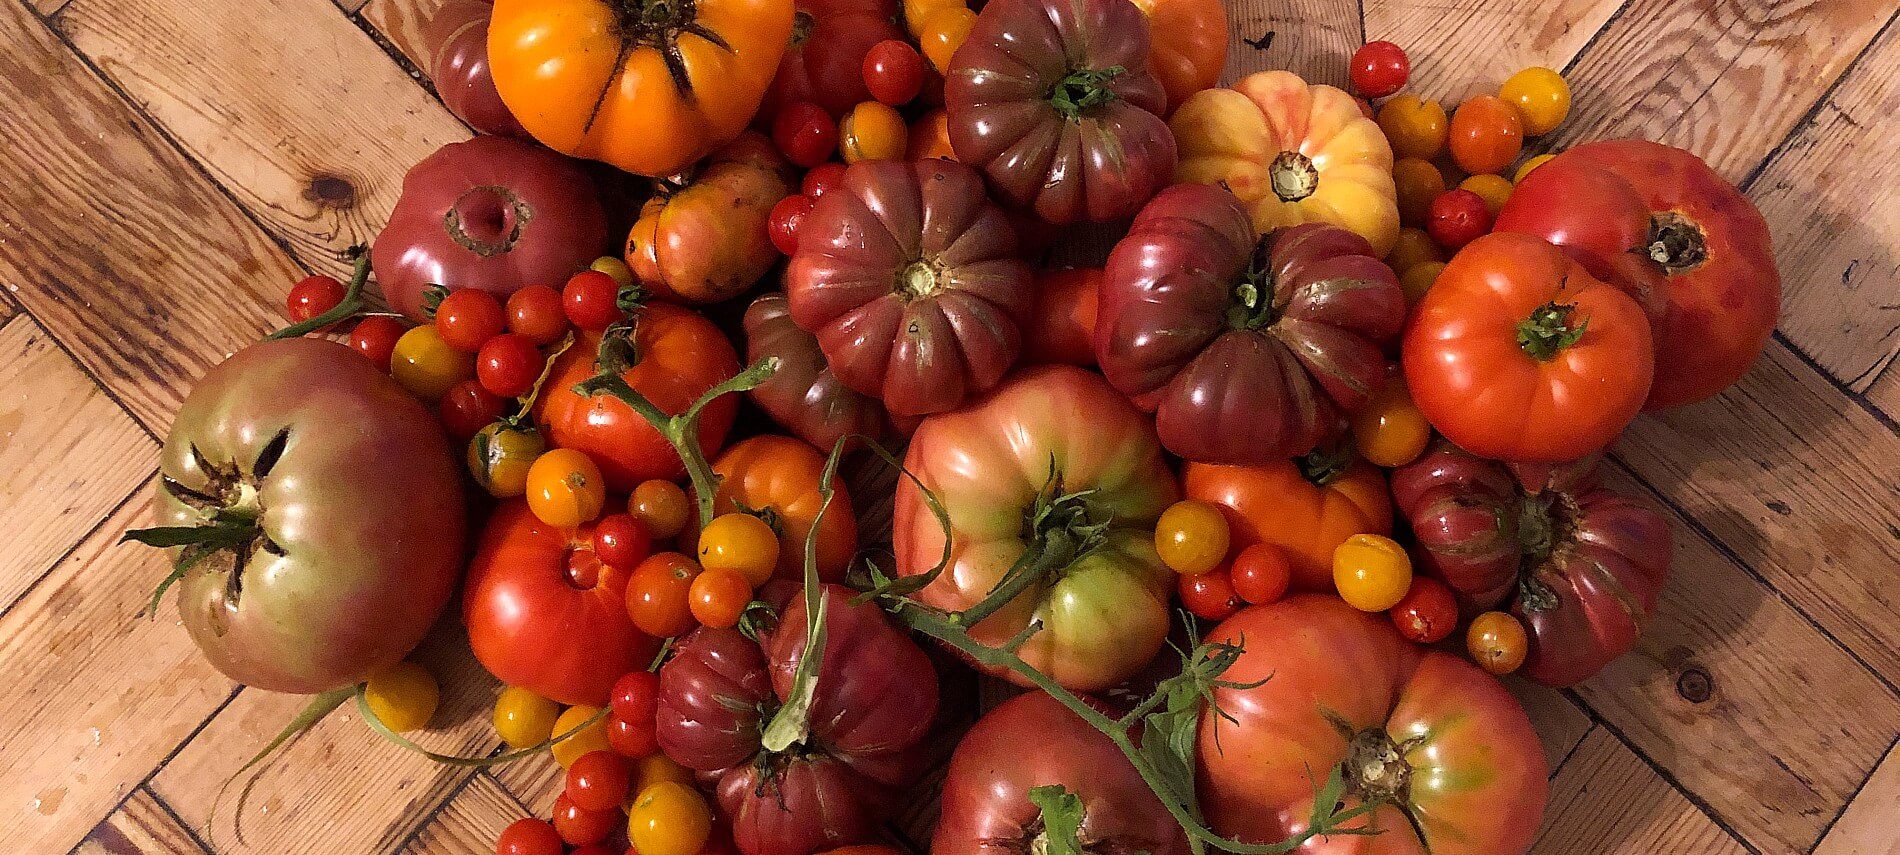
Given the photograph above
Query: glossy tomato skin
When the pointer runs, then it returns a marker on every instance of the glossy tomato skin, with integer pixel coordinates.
(1106, 614)
(1031, 741)
(364, 569)
(1247, 349)
(706, 241)
(1189, 46)
(681, 356)
(1617, 206)
(543, 612)
(779, 476)
(456, 39)
(825, 61)
(804, 394)
(1304, 510)
(1475, 769)
(949, 329)
(1581, 566)
(1062, 327)
(1485, 390)
(492, 213)
(1066, 158)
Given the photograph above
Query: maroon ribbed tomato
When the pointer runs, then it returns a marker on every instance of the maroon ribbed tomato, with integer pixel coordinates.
(456, 39)
(804, 395)
(1247, 348)
(1054, 101)
(1579, 564)
(908, 276)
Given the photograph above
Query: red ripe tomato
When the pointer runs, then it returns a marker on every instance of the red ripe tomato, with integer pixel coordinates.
(1458, 217)
(1261, 574)
(622, 540)
(785, 220)
(467, 318)
(805, 134)
(631, 739)
(1428, 612)
(894, 72)
(1380, 69)
(580, 826)
(508, 364)
(829, 41)
(1210, 595)
(467, 408)
(1062, 326)
(636, 696)
(536, 312)
(590, 300)
(375, 337)
(659, 596)
(312, 296)
(529, 837)
(821, 179)
(599, 780)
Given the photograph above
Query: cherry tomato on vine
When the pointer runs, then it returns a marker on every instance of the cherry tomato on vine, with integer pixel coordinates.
(1388, 428)
(805, 134)
(599, 781)
(661, 505)
(529, 837)
(1372, 572)
(403, 696)
(589, 739)
(782, 225)
(1416, 127)
(1427, 613)
(632, 739)
(1458, 217)
(821, 179)
(1413, 248)
(659, 594)
(621, 540)
(1191, 537)
(1486, 135)
(590, 300)
(669, 818)
(500, 456)
(894, 72)
(872, 131)
(523, 718)
(375, 337)
(1210, 595)
(425, 364)
(535, 312)
(1380, 69)
(468, 318)
(1497, 642)
(1541, 97)
(1418, 279)
(468, 407)
(312, 296)
(580, 826)
(1495, 190)
(508, 365)
(1417, 183)
(565, 488)
(740, 543)
(718, 597)
(636, 697)
(1261, 573)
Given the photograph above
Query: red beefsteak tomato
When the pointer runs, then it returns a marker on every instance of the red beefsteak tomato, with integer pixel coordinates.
(1307, 506)
(804, 394)
(825, 63)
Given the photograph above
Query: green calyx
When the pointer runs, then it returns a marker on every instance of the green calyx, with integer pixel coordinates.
(1550, 328)
(1084, 89)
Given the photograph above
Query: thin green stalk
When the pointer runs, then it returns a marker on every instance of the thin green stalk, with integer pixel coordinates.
(351, 303)
(1048, 558)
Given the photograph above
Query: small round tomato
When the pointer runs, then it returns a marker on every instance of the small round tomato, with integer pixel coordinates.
(894, 72)
(636, 697)
(1191, 537)
(661, 505)
(375, 337)
(1495, 190)
(1486, 135)
(1372, 572)
(631, 739)
(1418, 279)
(669, 818)
(1427, 613)
(467, 408)
(659, 594)
(622, 540)
(872, 131)
(468, 318)
(588, 740)
(601, 780)
(786, 217)
(1380, 69)
(718, 597)
(821, 179)
(1458, 217)
(529, 836)
(1497, 642)
(741, 543)
(1541, 97)
(1414, 247)
(580, 826)
(1388, 429)
(403, 696)
(1210, 595)
(657, 767)
(508, 365)
(590, 301)
(616, 267)
(536, 313)
(500, 456)
(312, 296)
(805, 134)
(1414, 126)
(425, 364)
(1529, 165)
(944, 30)
(565, 488)
(523, 718)
(1261, 574)
(1417, 183)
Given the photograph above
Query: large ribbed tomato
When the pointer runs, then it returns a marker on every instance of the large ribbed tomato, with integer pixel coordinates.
(804, 395)
(1306, 506)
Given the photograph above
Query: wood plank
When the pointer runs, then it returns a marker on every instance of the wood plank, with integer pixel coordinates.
(1867, 827)
(111, 237)
(469, 823)
(1559, 722)
(402, 22)
(318, 157)
(1743, 701)
(141, 826)
(1469, 47)
(1606, 799)
(46, 7)
(533, 781)
(1836, 242)
(68, 455)
(349, 6)
(97, 695)
(1313, 38)
(1885, 392)
(1676, 71)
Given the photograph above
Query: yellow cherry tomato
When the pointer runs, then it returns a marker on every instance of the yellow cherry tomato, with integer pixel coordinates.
(500, 456)
(1497, 642)
(1541, 97)
(403, 697)
(669, 818)
(943, 30)
(1495, 190)
(662, 506)
(616, 268)
(1414, 248)
(1414, 126)
(523, 718)
(1372, 572)
(591, 739)
(1191, 537)
(565, 488)
(1417, 182)
(657, 767)
(426, 365)
(1418, 279)
(1529, 165)
(917, 11)
(741, 543)
(1388, 429)
(872, 131)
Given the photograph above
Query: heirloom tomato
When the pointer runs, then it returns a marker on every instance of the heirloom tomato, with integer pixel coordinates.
(1188, 44)
(908, 276)
(456, 44)
(1579, 564)
(646, 85)
(1054, 101)
(1659, 223)
(1057, 472)
(705, 241)
(681, 355)
(1032, 741)
(1307, 507)
(1062, 326)
(876, 695)
(1293, 152)
(1518, 353)
(544, 614)
(804, 394)
(1322, 687)
(824, 64)
(1246, 348)
(776, 479)
(297, 464)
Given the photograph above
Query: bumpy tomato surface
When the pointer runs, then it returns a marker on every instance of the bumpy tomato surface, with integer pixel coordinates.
(1307, 507)
(705, 241)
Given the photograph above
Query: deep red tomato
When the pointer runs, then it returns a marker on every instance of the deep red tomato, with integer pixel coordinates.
(631, 739)
(312, 296)
(1441, 742)
(580, 826)
(636, 696)
(1062, 327)
(545, 614)
(508, 364)
(805, 134)
(468, 318)
(529, 837)
(622, 540)
(1457, 217)
(375, 337)
(824, 64)
(1428, 612)
(468, 407)
(787, 216)
(535, 312)
(1660, 223)
(590, 300)
(1210, 595)
(822, 179)
(599, 780)
(805, 396)
(1261, 574)
(894, 72)
(1380, 69)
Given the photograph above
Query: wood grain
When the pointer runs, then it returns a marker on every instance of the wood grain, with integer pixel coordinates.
(469, 823)
(1469, 47)
(68, 455)
(318, 156)
(1312, 38)
(141, 826)
(1559, 722)
(1885, 392)
(1867, 826)
(402, 23)
(1607, 800)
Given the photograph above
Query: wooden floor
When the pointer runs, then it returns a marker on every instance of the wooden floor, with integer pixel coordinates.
(167, 168)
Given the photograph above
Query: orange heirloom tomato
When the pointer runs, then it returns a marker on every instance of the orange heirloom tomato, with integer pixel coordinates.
(777, 477)
(930, 137)
(1307, 507)
(1293, 153)
(1188, 44)
(647, 85)
(705, 241)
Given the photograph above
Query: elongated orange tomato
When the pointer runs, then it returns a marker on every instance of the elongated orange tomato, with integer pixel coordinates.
(647, 85)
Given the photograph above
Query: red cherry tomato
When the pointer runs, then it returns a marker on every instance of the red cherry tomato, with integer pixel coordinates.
(621, 540)
(508, 365)
(821, 178)
(590, 300)
(467, 408)
(468, 318)
(1458, 217)
(1261, 574)
(579, 826)
(634, 740)
(894, 72)
(312, 296)
(599, 780)
(529, 837)
(786, 217)
(636, 697)
(805, 134)
(1210, 595)
(375, 338)
(1427, 613)
(1380, 69)
(535, 312)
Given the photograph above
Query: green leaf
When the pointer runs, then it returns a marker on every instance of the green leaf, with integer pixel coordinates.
(168, 536)
(1061, 819)
(792, 723)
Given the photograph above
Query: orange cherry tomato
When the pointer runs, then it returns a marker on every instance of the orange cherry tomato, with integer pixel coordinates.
(659, 595)
(565, 488)
(739, 543)
(669, 818)
(1191, 537)
(1388, 429)
(1486, 135)
(1418, 182)
(776, 478)
(1497, 642)
(1372, 572)
(1529, 165)
(1541, 97)
(1495, 190)
(718, 597)
(591, 738)
(872, 131)
(943, 30)
(426, 365)
(662, 506)
(1415, 127)
(930, 137)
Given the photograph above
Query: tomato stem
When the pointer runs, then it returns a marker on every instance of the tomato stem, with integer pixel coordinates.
(1084, 89)
(1676, 243)
(351, 303)
(1293, 176)
(1548, 330)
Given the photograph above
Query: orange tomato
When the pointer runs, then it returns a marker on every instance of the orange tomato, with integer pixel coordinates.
(930, 137)
(1372, 572)
(1389, 429)
(705, 241)
(1415, 127)
(1417, 183)
(1188, 44)
(1541, 97)
(1414, 248)
(565, 488)
(940, 27)
(1418, 279)
(1495, 190)
(872, 130)
(1486, 135)
(1307, 508)
(778, 477)
(1062, 327)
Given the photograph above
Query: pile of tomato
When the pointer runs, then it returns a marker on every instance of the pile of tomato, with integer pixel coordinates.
(1340, 390)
